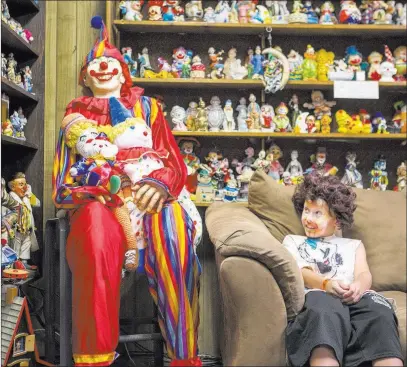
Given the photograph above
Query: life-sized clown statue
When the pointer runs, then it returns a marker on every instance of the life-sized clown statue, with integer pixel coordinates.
(96, 243)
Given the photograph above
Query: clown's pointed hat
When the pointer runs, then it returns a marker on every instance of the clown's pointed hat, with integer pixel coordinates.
(103, 47)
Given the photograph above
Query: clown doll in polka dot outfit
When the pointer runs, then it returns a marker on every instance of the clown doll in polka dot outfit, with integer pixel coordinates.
(138, 159)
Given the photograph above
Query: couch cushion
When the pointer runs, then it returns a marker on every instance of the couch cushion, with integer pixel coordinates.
(235, 231)
(400, 306)
(380, 222)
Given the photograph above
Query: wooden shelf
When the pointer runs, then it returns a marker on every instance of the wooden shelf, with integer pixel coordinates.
(246, 84)
(305, 30)
(198, 204)
(16, 44)
(13, 90)
(10, 141)
(263, 134)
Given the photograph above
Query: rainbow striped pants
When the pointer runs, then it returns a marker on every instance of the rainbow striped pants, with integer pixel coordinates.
(173, 271)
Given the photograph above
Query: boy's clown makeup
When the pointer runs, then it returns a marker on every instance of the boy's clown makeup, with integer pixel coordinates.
(317, 219)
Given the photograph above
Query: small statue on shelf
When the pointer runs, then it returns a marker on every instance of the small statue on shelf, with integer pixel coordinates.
(233, 68)
(294, 104)
(173, 11)
(273, 156)
(11, 68)
(297, 15)
(222, 11)
(241, 109)
(328, 13)
(19, 81)
(131, 10)
(281, 120)
(352, 176)
(319, 164)
(197, 68)
(18, 125)
(231, 191)
(312, 14)
(205, 192)
(178, 115)
(220, 169)
(187, 147)
(378, 175)
(374, 59)
(349, 13)
(7, 128)
(319, 104)
(25, 240)
(229, 123)
(295, 60)
(278, 11)
(28, 85)
(253, 114)
(144, 62)
(309, 65)
(192, 112)
(294, 168)
(194, 10)
(400, 56)
(215, 65)
(400, 117)
(3, 65)
(401, 178)
(154, 10)
(266, 118)
(128, 58)
(5, 13)
(379, 124)
(201, 119)
(387, 67)
(261, 163)
(209, 15)
(325, 124)
(216, 114)
(325, 60)
(181, 62)
(257, 63)
(401, 14)
(260, 16)
(354, 60)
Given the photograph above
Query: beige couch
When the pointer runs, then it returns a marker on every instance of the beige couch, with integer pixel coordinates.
(261, 286)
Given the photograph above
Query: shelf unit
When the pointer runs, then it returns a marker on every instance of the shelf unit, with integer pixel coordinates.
(26, 155)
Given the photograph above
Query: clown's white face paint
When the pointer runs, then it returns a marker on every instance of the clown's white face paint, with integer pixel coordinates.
(104, 76)
(317, 220)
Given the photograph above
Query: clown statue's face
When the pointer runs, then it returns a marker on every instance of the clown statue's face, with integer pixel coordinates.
(19, 186)
(104, 76)
(317, 219)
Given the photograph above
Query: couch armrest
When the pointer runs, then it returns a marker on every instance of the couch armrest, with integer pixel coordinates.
(235, 231)
(254, 314)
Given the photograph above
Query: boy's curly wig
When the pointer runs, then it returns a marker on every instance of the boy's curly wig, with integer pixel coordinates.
(339, 197)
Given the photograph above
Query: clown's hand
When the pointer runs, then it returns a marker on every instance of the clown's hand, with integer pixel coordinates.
(102, 198)
(149, 197)
(73, 172)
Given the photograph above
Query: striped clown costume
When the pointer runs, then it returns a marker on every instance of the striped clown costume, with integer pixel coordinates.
(96, 242)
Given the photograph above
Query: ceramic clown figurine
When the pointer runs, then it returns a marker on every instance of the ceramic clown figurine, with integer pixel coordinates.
(352, 176)
(96, 237)
(378, 175)
(274, 155)
(187, 147)
(319, 164)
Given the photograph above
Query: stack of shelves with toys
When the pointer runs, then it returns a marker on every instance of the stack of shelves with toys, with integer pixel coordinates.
(212, 62)
(22, 104)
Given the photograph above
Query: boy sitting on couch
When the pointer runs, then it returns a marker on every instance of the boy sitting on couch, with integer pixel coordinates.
(342, 322)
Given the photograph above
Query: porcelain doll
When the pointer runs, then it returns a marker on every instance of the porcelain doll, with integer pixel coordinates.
(197, 68)
(172, 11)
(209, 15)
(324, 60)
(312, 16)
(231, 191)
(379, 124)
(253, 114)
(298, 15)
(294, 167)
(273, 156)
(366, 121)
(144, 61)
(249, 159)
(214, 59)
(248, 63)
(216, 114)
(222, 11)
(379, 12)
(192, 112)
(154, 10)
(311, 124)
(387, 71)
(309, 66)
(178, 115)
(261, 163)
(5, 13)
(233, 68)
(378, 175)
(294, 104)
(374, 59)
(229, 123)
(400, 56)
(349, 13)
(3, 65)
(219, 169)
(18, 125)
(352, 176)
(295, 60)
(201, 119)
(281, 120)
(11, 68)
(328, 13)
(19, 81)
(257, 63)
(401, 178)
(187, 147)
(401, 14)
(132, 64)
(241, 109)
(400, 117)
(367, 12)
(260, 16)
(244, 178)
(244, 7)
(131, 10)
(205, 192)
(279, 12)
(266, 118)
(181, 57)
(25, 240)
(355, 59)
(319, 164)
(194, 10)
(319, 104)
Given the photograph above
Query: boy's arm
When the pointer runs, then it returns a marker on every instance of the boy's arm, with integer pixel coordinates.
(362, 277)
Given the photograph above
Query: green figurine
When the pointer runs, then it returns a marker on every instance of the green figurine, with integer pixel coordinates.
(309, 66)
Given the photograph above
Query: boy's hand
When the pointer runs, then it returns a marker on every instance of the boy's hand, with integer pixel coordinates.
(337, 288)
(353, 295)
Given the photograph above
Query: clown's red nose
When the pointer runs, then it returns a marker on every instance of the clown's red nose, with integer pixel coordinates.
(103, 65)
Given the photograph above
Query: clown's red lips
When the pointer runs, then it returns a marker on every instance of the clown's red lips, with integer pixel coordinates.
(104, 77)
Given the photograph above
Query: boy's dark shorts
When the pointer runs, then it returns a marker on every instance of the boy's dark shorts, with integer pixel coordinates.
(358, 333)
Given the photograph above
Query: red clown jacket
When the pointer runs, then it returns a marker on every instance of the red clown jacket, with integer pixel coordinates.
(172, 177)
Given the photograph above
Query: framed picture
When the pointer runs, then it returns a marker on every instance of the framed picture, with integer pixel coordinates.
(19, 344)
(5, 107)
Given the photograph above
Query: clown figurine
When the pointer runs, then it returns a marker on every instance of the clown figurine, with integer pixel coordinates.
(127, 55)
(320, 165)
(96, 244)
(192, 161)
(378, 175)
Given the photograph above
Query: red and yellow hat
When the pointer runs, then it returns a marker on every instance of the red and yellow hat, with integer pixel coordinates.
(102, 47)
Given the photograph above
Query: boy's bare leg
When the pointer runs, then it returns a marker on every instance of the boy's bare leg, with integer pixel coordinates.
(323, 356)
(388, 362)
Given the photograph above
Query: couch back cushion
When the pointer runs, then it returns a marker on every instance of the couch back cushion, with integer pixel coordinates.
(380, 223)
